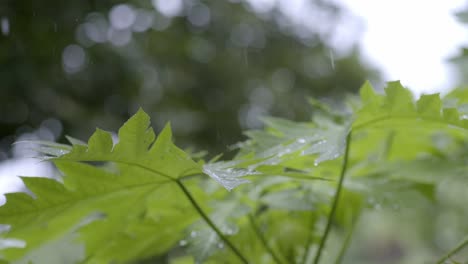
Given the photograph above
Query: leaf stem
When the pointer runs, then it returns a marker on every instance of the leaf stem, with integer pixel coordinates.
(263, 240)
(210, 223)
(335, 201)
(454, 251)
(347, 241)
(309, 239)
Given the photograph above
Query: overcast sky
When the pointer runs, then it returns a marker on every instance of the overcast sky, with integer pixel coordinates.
(411, 39)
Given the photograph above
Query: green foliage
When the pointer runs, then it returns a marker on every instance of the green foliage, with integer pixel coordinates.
(295, 192)
(206, 78)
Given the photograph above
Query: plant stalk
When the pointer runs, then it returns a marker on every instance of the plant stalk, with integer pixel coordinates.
(210, 223)
(335, 201)
(347, 241)
(454, 251)
(263, 240)
(309, 239)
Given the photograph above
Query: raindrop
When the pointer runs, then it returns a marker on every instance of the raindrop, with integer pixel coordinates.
(183, 243)
(332, 59)
(227, 177)
(246, 57)
(55, 27)
(220, 245)
(193, 234)
(5, 26)
(301, 140)
(12, 243)
(284, 152)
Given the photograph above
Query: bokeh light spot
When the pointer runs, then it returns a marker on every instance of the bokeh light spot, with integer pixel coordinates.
(73, 58)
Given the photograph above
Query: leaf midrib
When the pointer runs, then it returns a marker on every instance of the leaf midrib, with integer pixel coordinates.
(85, 198)
(408, 118)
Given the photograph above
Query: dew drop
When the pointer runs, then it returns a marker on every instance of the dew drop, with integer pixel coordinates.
(193, 234)
(301, 140)
(220, 245)
(183, 243)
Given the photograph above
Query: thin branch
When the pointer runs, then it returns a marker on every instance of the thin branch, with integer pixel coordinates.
(259, 234)
(454, 251)
(210, 223)
(335, 201)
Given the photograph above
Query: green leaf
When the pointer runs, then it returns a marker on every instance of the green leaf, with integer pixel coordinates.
(137, 147)
(398, 99)
(133, 196)
(139, 196)
(429, 106)
(368, 95)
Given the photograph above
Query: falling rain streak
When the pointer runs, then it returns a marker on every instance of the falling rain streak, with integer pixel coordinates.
(5, 26)
(332, 59)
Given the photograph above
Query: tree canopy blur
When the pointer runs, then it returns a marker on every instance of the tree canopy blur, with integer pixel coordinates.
(212, 68)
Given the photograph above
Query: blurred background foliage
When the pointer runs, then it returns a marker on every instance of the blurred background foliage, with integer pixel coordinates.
(211, 68)
(461, 60)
